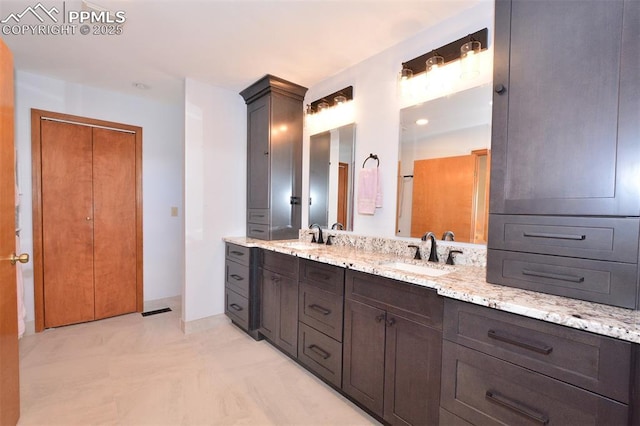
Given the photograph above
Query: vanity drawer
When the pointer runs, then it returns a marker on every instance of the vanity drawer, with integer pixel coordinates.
(419, 304)
(613, 239)
(329, 278)
(283, 264)
(484, 390)
(321, 354)
(237, 278)
(597, 363)
(258, 231)
(321, 310)
(237, 308)
(258, 216)
(610, 283)
(238, 253)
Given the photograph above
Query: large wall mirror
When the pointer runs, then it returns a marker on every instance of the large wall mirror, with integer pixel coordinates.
(331, 169)
(443, 171)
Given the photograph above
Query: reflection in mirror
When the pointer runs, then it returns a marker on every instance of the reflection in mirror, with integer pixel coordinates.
(443, 173)
(331, 167)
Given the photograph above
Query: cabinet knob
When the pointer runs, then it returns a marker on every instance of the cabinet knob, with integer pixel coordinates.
(499, 89)
(379, 318)
(266, 153)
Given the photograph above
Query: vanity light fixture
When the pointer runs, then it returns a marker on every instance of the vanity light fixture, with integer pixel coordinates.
(474, 42)
(340, 97)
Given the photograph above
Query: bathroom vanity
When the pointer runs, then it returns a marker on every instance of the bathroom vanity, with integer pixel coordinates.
(437, 344)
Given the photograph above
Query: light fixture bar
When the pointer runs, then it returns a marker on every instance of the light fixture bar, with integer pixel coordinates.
(347, 92)
(450, 52)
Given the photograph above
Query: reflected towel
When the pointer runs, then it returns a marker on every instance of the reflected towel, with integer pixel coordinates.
(369, 194)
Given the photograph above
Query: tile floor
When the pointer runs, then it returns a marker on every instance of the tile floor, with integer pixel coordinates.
(131, 370)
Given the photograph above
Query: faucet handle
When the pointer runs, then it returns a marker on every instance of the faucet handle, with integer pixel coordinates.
(417, 255)
(450, 257)
(313, 238)
(329, 237)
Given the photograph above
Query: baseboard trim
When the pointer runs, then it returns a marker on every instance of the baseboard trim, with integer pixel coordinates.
(202, 324)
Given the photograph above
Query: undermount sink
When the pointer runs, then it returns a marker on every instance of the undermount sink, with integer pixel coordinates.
(300, 245)
(432, 271)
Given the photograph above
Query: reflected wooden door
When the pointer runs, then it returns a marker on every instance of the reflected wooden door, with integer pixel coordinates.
(343, 192)
(443, 192)
(9, 372)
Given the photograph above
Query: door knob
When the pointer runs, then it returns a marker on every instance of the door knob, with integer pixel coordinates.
(23, 258)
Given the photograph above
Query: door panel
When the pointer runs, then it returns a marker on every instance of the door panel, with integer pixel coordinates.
(67, 223)
(9, 372)
(363, 363)
(114, 202)
(412, 373)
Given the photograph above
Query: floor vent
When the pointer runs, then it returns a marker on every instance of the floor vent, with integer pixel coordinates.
(157, 311)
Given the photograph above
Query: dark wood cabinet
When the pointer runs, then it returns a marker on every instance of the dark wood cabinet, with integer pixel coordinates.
(279, 300)
(565, 118)
(274, 158)
(501, 368)
(320, 315)
(392, 345)
(565, 151)
(241, 288)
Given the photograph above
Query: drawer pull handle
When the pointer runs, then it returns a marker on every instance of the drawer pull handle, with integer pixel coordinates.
(236, 277)
(237, 253)
(523, 343)
(323, 311)
(236, 307)
(380, 317)
(561, 277)
(319, 351)
(516, 406)
(573, 237)
(259, 231)
(319, 275)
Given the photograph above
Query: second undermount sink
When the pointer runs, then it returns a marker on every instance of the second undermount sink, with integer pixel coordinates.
(300, 245)
(422, 269)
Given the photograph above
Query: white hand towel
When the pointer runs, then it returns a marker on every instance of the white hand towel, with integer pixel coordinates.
(367, 190)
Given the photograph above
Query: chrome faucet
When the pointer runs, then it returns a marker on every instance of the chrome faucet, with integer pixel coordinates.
(433, 254)
(320, 239)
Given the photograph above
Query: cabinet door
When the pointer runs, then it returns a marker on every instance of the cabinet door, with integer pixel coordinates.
(287, 335)
(269, 304)
(565, 127)
(258, 151)
(412, 373)
(363, 359)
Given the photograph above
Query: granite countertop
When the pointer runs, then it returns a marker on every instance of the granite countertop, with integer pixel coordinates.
(468, 284)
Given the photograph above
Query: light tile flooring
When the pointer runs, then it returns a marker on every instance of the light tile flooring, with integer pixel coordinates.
(134, 370)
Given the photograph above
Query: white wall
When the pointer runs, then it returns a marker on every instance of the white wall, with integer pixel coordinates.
(377, 106)
(215, 191)
(162, 155)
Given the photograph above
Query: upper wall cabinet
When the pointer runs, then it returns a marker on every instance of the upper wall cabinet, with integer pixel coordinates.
(565, 108)
(274, 158)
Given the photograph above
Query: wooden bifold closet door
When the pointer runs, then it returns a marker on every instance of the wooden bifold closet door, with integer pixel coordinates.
(90, 246)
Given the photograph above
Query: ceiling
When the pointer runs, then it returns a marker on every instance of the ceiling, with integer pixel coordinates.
(226, 43)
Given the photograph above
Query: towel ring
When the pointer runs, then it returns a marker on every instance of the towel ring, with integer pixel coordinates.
(375, 157)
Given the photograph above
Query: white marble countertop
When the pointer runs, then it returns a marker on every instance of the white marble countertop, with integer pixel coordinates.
(468, 283)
